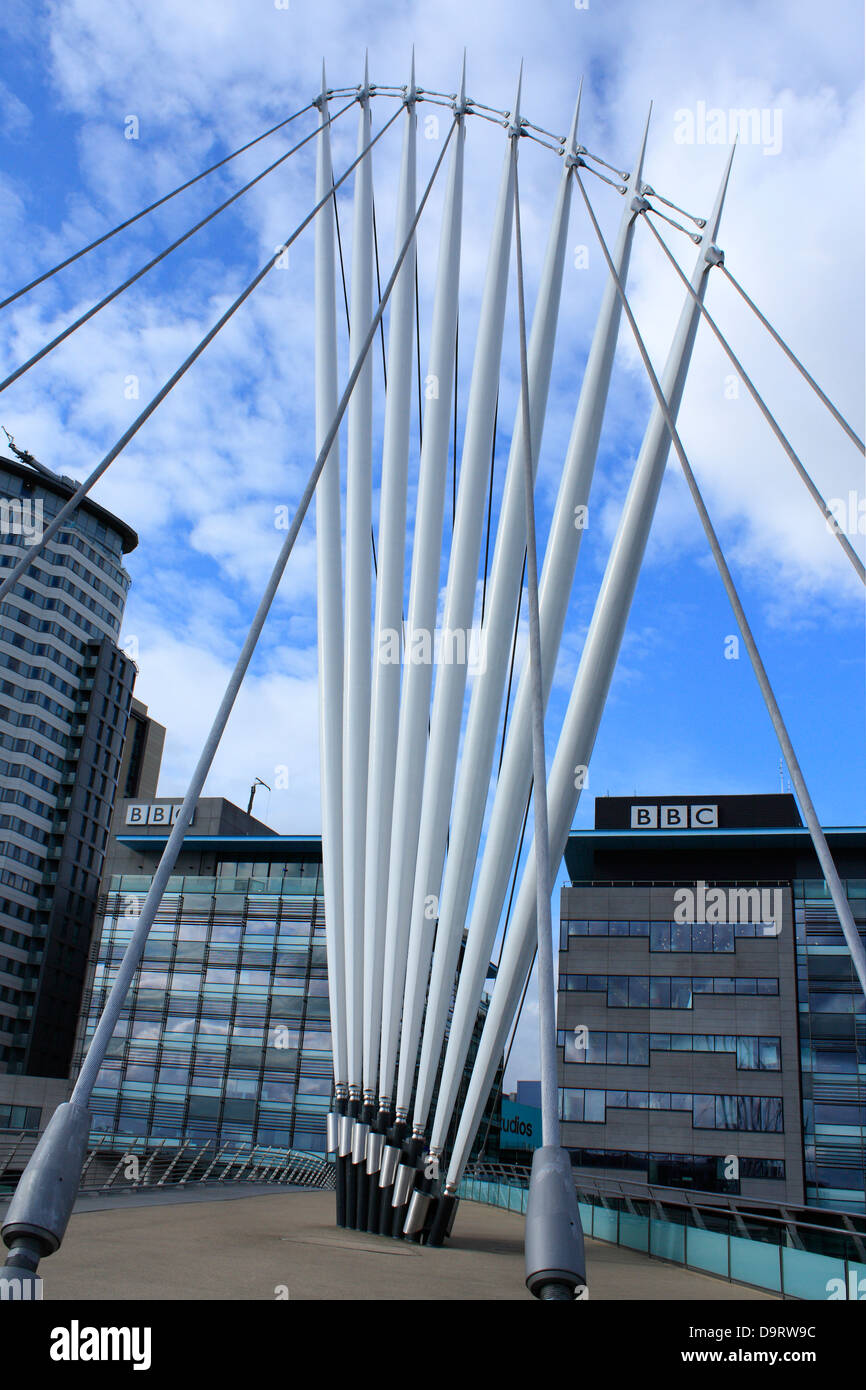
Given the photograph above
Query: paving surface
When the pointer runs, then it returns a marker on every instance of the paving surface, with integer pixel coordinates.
(267, 1245)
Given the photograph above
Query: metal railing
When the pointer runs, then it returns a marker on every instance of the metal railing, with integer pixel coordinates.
(799, 1252)
(117, 1163)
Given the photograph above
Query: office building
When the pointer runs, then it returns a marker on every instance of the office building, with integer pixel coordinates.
(65, 699)
(710, 1024)
(225, 1035)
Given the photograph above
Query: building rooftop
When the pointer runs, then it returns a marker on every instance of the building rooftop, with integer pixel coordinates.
(65, 487)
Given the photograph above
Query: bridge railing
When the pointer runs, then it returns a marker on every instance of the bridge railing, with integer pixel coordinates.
(117, 1162)
(799, 1252)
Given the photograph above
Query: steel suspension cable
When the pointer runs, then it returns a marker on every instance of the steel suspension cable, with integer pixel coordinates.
(10, 299)
(837, 416)
(765, 411)
(514, 878)
(107, 299)
(418, 354)
(506, 1059)
(489, 510)
(109, 1018)
(82, 490)
(822, 850)
(511, 664)
(379, 289)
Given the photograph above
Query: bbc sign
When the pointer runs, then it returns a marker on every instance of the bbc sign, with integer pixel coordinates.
(695, 816)
(152, 813)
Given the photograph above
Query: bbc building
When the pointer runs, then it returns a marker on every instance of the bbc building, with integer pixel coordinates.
(710, 1023)
(225, 1033)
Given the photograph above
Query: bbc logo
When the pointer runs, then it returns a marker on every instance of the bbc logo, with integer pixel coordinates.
(694, 817)
(151, 813)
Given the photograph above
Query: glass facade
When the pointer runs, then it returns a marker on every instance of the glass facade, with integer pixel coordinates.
(694, 937)
(832, 1014)
(633, 1049)
(225, 1033)
(665, 991)
(714, 1038)
(65, 696)
(749, 1113)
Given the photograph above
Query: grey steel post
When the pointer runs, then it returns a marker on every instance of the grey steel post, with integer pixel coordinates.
(555, 1261)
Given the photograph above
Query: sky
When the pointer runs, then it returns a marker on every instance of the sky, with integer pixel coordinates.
(202, 480)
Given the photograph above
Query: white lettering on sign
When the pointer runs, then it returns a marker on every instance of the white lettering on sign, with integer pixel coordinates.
(691, 816)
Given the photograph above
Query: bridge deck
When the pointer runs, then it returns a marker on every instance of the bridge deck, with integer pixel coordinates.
(180, 1245)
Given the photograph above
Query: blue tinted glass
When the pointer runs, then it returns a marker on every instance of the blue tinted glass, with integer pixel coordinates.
(704, 1112)
(681, 993)
(638, 1049)
(702, 936)
(660, 936)
(769, 1054)
(723, 937)
(572, 1104)
(617, 1049)
(638, 991)
(660, 992)
(594, 1107)
(617, 991)
(726, 1112)
(681, 936)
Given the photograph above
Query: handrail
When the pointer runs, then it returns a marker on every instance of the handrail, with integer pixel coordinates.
(840, 1223)
(159, 1163)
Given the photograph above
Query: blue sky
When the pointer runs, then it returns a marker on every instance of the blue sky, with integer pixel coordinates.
(201, 481)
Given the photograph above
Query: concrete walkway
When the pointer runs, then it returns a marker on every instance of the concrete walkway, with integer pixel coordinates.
(284, 1244)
